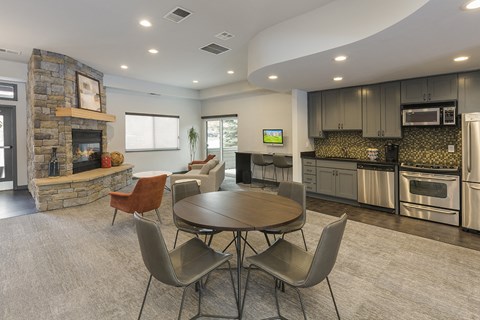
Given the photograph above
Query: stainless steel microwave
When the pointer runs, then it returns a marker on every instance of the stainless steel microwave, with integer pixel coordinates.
(430, 116)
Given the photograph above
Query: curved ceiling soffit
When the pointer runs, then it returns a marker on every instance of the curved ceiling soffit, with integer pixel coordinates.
(334, 25)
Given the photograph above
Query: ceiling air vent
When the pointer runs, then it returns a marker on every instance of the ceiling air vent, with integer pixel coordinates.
(177, 15)
(10, 51)
(224, 35)
(214, 48)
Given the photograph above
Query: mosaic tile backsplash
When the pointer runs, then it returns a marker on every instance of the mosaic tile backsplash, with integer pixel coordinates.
(419, 144)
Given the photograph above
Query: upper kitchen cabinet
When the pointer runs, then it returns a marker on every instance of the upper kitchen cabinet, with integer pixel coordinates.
(381, 111)
(431, 89)
(469, 92)
(315, 115)
(342, 109)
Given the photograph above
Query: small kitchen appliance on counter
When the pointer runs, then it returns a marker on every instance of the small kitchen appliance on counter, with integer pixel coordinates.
(391, 152)
(372, 153)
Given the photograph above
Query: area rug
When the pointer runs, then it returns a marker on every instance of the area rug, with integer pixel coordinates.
(72, 264)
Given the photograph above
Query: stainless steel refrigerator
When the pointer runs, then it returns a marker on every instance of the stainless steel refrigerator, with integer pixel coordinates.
(471, 170)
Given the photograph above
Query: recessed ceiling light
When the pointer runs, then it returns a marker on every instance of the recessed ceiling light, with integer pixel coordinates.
(230, 72)
(472, 5)
(124, 66)
(154, 51)
(341, 58)
(462, 58)
(145, 23)
(195, 81)
(273, 77)
(338, 78)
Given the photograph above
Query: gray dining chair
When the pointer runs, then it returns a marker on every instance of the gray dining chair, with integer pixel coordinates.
(280, 162)
(182, 190)
(292, 265)
(295, 191)
(181, 267)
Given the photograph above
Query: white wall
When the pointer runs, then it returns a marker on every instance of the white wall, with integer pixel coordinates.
(256, 111)
(120, 101)
(14, 72)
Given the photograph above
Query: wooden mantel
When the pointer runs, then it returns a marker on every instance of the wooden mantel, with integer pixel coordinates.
(84, 114)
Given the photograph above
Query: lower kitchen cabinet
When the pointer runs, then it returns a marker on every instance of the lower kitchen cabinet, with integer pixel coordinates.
(309, 171)
(337, 179)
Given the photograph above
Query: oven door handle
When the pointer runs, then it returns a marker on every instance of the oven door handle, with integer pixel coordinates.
(427, 177)
(429, 209)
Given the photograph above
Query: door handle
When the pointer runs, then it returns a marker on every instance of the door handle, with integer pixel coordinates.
(429, 209)
(427, 177)
(6, 147)
(475, 188)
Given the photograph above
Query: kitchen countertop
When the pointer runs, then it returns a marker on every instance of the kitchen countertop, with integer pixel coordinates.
(311, 155)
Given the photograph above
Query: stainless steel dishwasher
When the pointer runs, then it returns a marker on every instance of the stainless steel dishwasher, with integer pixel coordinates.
(376, 184)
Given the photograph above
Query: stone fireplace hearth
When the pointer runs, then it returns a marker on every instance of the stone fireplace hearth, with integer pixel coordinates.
(52, 86)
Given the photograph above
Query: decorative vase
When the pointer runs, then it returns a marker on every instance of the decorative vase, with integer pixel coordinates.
(117, 158)
(53, 167)
(106, 160)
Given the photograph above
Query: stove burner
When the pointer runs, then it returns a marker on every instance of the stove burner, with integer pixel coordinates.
(428, 167)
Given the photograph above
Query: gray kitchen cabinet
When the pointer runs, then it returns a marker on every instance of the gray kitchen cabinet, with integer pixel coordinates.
(469, 92)
(431, 89)
(342, 109)
(309, 171)
(381, 111)
(337, 178)
(315, 115)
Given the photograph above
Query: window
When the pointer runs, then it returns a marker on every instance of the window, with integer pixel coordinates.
(8, 91)
(150, 132)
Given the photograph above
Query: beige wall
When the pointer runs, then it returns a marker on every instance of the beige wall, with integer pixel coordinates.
(120, 101)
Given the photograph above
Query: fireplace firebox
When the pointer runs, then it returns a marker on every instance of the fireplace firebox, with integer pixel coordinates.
(87, 149)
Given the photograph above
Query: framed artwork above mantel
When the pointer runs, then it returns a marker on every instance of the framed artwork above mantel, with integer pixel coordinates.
(88, 90)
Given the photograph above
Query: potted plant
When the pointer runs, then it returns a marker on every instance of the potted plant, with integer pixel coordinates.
(192, 140)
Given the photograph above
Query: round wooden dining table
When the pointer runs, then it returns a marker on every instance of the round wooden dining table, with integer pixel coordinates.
(237, 211)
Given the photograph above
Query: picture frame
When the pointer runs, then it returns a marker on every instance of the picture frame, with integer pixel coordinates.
(88, 90)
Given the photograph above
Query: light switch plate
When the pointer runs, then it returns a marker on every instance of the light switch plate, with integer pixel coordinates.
(451, 148)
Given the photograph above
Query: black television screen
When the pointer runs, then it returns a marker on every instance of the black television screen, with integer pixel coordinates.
(273, 136)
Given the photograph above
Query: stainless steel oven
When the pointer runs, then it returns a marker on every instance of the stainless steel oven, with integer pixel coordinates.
(430, 192)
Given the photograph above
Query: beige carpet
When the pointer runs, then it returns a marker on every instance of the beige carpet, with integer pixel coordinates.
(71, 264)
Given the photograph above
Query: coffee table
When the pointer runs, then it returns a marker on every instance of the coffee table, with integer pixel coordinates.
(148, 174)
(237, 211)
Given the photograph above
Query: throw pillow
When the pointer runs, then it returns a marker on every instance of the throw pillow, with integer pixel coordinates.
(208, 166)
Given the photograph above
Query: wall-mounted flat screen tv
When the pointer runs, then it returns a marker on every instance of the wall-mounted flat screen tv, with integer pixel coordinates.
(273, 136)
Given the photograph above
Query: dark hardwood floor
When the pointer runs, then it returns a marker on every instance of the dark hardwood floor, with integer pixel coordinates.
(426, 229)
(16, 203)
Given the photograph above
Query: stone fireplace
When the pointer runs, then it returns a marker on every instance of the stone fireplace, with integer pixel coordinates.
(52, 89)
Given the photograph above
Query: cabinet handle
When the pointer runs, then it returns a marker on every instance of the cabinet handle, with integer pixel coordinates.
(378, 133)
(338, 126)
(342, 125)
(424, 97)
(429, 96)
(383, 133)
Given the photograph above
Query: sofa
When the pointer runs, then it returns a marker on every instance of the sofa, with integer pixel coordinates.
(210, 174)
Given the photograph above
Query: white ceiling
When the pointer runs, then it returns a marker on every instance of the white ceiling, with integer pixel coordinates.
(105, 34)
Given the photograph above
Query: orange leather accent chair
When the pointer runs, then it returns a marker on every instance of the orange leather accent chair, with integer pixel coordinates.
(146, 196)
(209, 157)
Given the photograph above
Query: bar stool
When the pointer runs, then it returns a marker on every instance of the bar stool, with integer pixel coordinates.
(259, 160)
(280, 161)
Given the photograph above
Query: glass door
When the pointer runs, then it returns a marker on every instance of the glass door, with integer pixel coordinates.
(6, 147)
(222, 138)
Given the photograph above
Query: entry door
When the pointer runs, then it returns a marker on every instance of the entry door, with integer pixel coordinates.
(7, 143)
(222, 139)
